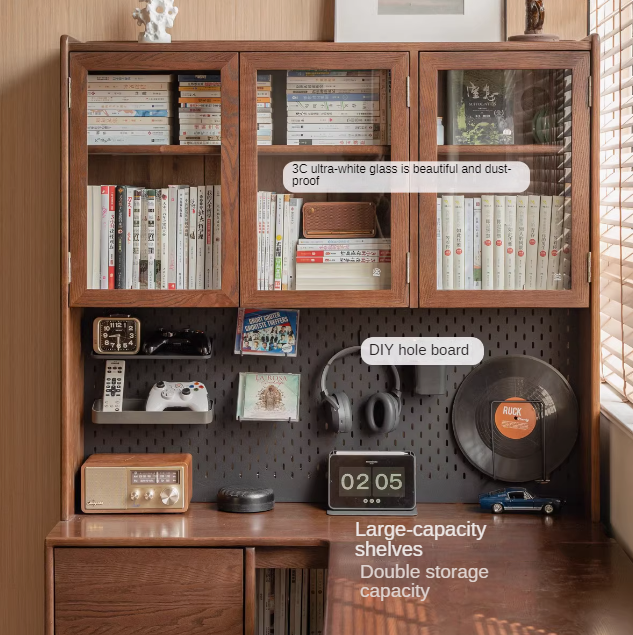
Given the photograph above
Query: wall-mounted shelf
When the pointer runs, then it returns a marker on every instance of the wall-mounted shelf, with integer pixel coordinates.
(159, 150)
(134, 413)
(156, 357)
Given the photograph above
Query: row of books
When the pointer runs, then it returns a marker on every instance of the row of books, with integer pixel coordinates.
(199, 109)
(499, 242)
(129, 109)
(169, 238)
(337, 107)
(278, 226)
(290, 601)
(264, 109)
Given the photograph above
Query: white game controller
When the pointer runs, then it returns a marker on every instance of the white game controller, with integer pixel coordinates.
(189, 395)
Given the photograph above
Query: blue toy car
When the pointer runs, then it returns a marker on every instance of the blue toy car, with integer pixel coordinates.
(518, 499)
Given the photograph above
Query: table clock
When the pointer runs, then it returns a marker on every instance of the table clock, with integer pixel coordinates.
(371, 484)
(116, 335)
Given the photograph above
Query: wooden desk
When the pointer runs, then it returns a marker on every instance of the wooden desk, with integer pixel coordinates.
(558, 575)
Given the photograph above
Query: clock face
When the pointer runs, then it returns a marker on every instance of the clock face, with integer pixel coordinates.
(118, 336)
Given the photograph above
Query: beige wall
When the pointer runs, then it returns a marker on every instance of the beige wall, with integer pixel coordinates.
(565, 18)
(621, 485)
(29, 246)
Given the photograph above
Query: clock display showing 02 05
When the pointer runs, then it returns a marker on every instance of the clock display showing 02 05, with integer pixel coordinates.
(373, 481)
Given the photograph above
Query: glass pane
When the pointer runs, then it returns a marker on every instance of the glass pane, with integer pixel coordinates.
(324, 241)
(507, 242)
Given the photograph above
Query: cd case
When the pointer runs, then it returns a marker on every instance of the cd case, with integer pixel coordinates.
(267, 332)
(268, 397)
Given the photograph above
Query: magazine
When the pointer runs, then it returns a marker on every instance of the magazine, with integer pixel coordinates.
(268, 397)
(267, 332)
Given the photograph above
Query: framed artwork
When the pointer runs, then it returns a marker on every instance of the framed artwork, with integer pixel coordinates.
(419, 21)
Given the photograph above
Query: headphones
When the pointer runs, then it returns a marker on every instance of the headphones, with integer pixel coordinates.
(382, 409)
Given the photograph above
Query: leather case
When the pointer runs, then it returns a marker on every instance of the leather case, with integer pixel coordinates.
(337, 219)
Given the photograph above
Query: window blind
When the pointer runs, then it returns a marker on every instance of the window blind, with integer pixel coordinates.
(612, 20)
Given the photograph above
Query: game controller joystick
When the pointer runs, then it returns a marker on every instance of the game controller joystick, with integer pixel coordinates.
(188, 395)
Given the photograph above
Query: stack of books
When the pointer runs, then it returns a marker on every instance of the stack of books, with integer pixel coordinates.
(199, 111)
(343, 263)
(499, 242)
(129, 109)
(337, 107)
(264, 109)
(278, 227)
(290, 601)
(140, 238)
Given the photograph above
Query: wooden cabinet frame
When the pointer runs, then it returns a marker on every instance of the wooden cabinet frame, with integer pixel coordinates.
(80, 65)
(250, 63)
(430, 65)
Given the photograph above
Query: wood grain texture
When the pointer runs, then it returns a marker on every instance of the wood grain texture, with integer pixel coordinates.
(147, 591)
(568, 19)
(250, 592)
(291, 557)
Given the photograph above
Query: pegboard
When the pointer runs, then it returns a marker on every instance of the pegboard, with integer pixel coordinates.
(292, 457)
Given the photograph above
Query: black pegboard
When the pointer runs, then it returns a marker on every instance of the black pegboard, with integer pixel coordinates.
(292, 457)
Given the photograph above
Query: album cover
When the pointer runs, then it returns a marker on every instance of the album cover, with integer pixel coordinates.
(267, 332)
(268, 397)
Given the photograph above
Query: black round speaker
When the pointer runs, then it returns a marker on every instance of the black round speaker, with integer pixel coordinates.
(244, 500)
(519, 412)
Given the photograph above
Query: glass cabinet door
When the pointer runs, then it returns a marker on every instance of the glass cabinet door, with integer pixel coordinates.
(527, 248)
(327, 248)
(153, 211)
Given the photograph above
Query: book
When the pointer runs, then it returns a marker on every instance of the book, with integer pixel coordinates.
(119, 139)
(334, 134)
(98, 79)
(459, 228)
(93, 95)
(320, 601)
(260, 241)
(487, 238)
(295, 108)
(531, 256)
(116, 128)
(269, 601)
(280, 605)
(343, 276)
(448, 236)
(131, 106)
(267, 332)
(279, 236)
(477, 236)
(312, 258)
(542, 262)
(271, 210)
(172, 240)
(336, 118)
(117, 122)
(439, 244)
(119, 238)
(499, 238)
(135, 101)
(137, 215)
(200, 237)
(469, 216)
(333, 142)
(182, 212)
(268, 397)
(126, 86)
(305, 574)
(193, 238)
(217, 237)
(295, 228)
(104, 205)
(342, 243)
(285, 256)
(163, 257)
(347, 97)
(208, 237)
(128, 232)
(96, 237)
(113, 111)
(510, 243)
(313, 603)
(521, 241)
(185, 238)
(89, 234)
(292, 599)
(150, 196)
(203, 77)
(554, 277)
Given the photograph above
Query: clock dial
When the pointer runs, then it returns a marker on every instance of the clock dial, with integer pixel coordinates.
(117, 335)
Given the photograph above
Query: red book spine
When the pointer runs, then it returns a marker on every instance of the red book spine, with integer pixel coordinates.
(111, 234)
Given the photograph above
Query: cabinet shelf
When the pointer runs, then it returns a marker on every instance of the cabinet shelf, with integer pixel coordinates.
(159, 150)
(342, 150)
(534, 150)
(126, 298)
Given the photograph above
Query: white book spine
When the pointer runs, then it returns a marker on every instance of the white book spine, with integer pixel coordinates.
(192, 248)
(469, 215)
(477, 243)
(487, 238)
(208, 254)
(447, 238)
(554, 277)
(285, 257)
(96, 237)
(521, 242)
(217, 237)
(566, 255)
(260, 241)
(459, 242)
(274, 202)
(534, 203)
(269, 201)
(499, 238)
(172, 241)
(164, 239)
(157, 237)
(151, 240)
(180, 236)
(543, 242)
(143, 249)
(510, 243)
(279, 237)
(105, 230)
(295, 216)
(200, 237)
(89, 234)
(440, 244)
(129, 237)
(136, 239)
(298, 597)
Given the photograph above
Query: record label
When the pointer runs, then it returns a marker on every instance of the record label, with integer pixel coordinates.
(515, 421)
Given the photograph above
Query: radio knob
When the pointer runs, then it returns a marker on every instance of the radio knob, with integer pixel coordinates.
(169, 496)
(149, 494)
(135, 495)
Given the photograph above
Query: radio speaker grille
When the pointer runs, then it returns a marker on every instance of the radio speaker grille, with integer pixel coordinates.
(107, 485)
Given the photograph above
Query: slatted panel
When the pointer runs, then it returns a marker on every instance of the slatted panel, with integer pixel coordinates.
(291, 458)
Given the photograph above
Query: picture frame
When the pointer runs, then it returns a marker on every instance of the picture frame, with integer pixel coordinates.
(420, 21)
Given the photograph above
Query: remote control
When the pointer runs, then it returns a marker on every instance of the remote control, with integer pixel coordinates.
(113, 386)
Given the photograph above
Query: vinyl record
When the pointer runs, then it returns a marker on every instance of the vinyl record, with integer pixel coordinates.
(532, 431)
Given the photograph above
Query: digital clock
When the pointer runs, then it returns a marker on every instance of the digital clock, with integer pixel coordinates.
(371, 484)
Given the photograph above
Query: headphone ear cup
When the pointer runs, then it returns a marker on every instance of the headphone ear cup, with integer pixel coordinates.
(339, 419)
(382, 412)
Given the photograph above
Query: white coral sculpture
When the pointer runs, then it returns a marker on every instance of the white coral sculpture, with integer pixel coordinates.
(157, 16)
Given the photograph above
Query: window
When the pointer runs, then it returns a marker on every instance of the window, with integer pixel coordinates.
(517, 495)
(613, 21)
